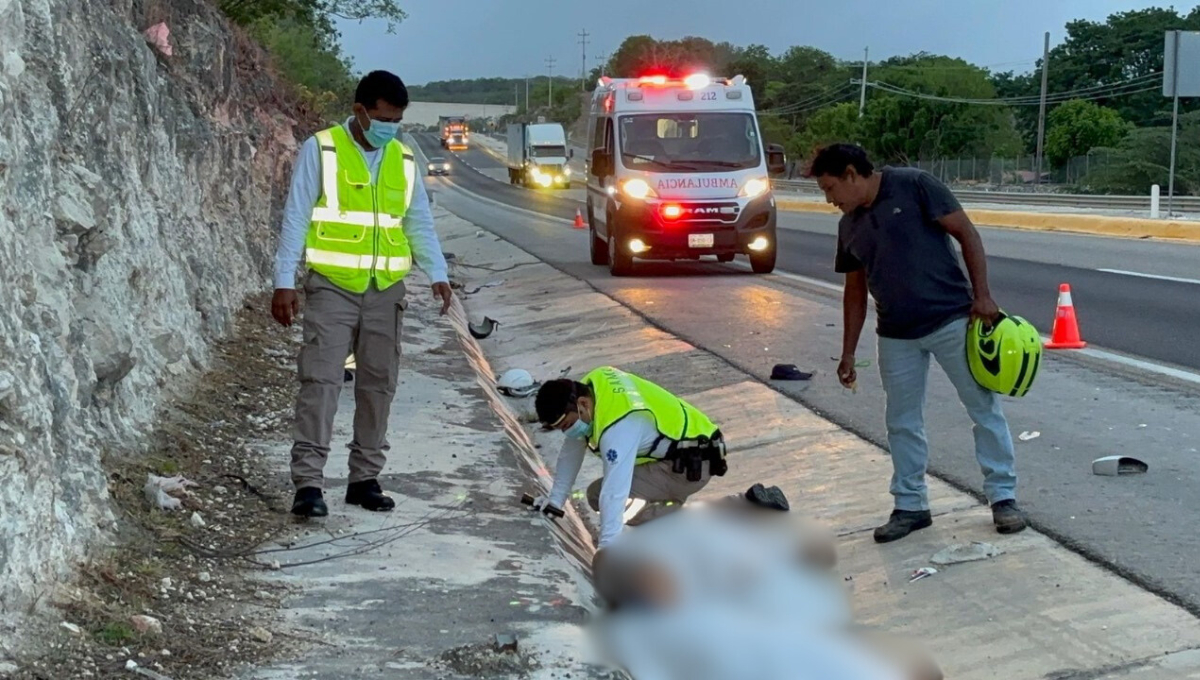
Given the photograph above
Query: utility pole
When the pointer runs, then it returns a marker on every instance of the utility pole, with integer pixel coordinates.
(583, 41)
(527, 95)
(601, 62)
(862, 93)
(550, 71)
(1041, 140)
(1174, 120)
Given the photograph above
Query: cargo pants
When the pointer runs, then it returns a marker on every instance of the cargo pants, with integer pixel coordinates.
(336, 324)
(663, 490)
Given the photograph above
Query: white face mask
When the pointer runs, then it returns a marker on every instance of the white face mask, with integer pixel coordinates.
(579, 429)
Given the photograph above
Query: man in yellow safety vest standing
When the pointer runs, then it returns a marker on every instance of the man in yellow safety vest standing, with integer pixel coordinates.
(655, 446)
(359, 215)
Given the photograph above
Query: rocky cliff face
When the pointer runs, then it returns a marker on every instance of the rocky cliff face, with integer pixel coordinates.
(138, 194)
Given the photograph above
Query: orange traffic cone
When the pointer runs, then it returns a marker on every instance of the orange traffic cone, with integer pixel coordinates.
(579, 220)
(1065, 334)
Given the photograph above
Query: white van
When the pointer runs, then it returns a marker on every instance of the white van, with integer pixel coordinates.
(677, 170)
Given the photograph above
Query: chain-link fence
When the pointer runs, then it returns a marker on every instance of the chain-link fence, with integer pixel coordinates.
(1012, 172)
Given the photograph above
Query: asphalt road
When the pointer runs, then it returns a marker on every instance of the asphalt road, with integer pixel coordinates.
(1141, 527)
(1147, 317)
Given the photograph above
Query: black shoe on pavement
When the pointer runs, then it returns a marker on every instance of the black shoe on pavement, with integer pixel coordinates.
(771, 497)
(309, 502)
(369, 495)
(1008, 518)
(901, 524)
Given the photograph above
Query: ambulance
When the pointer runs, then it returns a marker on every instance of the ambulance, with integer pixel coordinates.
(677, 171)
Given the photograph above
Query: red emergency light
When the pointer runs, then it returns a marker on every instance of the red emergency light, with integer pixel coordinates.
(671, 211)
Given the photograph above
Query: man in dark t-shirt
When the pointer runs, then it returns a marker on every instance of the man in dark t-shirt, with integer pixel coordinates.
(894, 240)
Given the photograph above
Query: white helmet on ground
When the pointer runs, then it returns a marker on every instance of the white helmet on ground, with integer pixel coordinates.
(516, 382)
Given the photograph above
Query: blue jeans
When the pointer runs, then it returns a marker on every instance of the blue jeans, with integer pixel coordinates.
(904, 369)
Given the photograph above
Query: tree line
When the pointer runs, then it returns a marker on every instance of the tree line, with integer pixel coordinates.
(1104, 85)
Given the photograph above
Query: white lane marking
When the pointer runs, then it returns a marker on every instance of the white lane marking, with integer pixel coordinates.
(1098, 354)
(1156, 277)
(795, 277)
(1140, 364)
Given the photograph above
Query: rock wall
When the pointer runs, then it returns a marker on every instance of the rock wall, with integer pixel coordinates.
(138, 195)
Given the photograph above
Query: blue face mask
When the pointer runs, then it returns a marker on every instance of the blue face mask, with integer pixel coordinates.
(380, 133)
(579, 430)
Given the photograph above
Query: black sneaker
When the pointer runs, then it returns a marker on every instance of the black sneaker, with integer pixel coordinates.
(369, 495)
(1008, 518)
(901, 524)
(770, 497)
(309, 502)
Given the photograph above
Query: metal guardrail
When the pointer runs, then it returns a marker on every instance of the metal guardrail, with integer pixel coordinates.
(1186, 204)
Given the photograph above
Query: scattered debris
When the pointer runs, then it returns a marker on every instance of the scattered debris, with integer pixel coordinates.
(132, 665)
(165, 492)
(204, 577)
(261, 634)
(146, 624)
(789, 372)
(1112, 466)
(485, 661)
(484, 329)
(71, 627)
(1029, 436)
(197, 521)
(506, 642)
(923, 572)
(966, 552)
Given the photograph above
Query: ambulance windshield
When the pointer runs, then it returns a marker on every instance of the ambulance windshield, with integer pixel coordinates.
(689, 142)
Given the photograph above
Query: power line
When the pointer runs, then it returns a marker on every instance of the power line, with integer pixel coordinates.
(805, 104)
(1131, 86)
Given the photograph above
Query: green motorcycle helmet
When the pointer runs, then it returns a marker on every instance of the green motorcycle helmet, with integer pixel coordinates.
(1004, 357)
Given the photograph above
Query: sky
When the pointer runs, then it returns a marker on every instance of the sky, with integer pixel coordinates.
(451, 39)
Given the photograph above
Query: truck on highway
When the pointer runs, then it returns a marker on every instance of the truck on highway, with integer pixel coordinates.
(676, 171)
(454, 132)
(537, 155)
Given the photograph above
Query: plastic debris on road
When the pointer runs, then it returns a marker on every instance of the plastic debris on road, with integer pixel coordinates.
(923, 572)
(483, 329)
(1029, 436)
(1113, 466)
(966, 552)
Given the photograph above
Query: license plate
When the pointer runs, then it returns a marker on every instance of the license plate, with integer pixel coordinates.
(700, 240)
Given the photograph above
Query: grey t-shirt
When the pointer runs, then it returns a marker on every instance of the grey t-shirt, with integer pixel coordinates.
(912, 268)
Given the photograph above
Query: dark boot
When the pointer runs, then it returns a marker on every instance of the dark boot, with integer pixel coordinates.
(901, 524)
(1008, 518)
(309, 502)
(369, 495)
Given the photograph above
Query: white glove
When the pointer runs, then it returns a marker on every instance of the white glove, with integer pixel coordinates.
(540, 503)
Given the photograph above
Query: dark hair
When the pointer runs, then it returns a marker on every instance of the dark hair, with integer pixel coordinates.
(383, 85)
(556, 398)
(833, 160)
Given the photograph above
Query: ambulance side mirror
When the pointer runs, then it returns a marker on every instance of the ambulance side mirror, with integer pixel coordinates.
(776, 160)
(601, 163)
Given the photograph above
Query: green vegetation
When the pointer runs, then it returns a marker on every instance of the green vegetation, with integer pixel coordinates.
(303, 43)
(1107, 118)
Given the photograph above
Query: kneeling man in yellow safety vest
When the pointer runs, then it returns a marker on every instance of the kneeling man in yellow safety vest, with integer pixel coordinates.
(655, 446)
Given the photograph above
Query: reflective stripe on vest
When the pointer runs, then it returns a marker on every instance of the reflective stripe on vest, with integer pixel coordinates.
(356, 233)
(617, 394)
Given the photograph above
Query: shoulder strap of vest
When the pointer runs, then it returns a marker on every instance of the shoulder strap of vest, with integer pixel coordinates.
(410, 171)
(327, 147)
